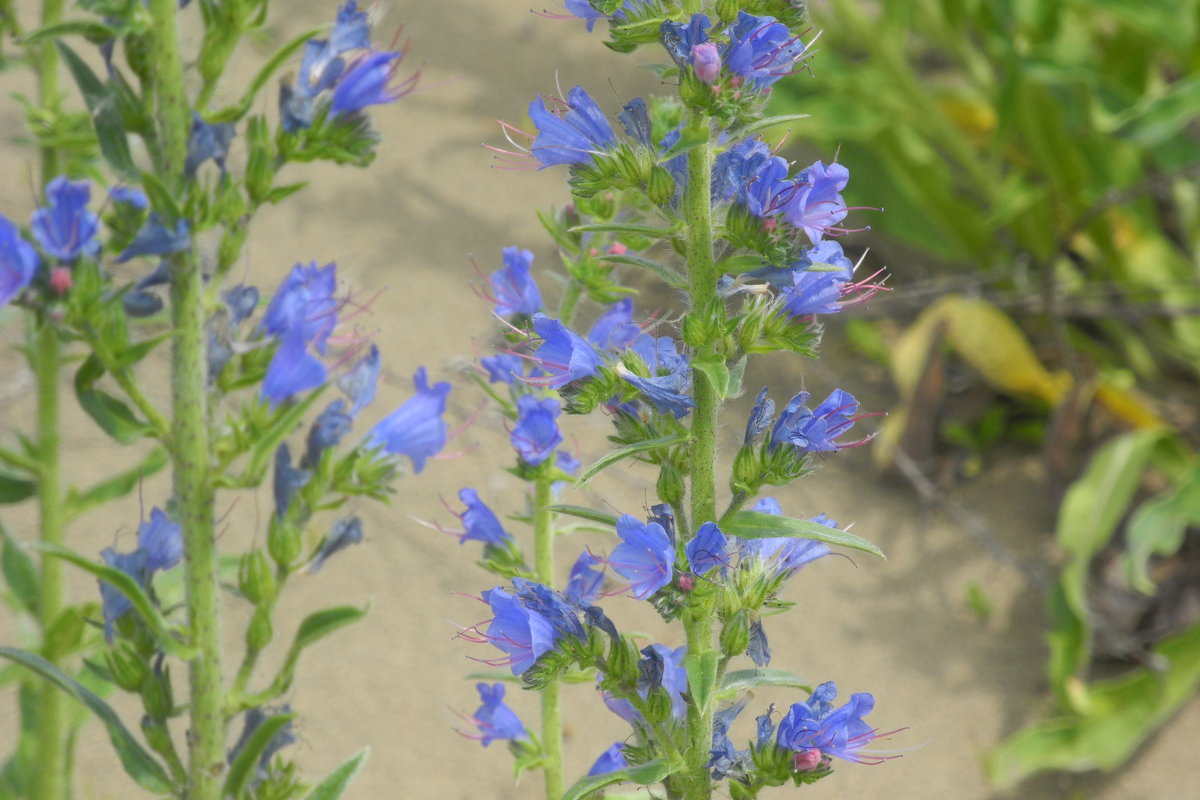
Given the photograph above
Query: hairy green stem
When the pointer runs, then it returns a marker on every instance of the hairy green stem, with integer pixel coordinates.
(694, 783)
(51, 780)
(191, 450)
(50, 776)
(543, 555)
(570, 299)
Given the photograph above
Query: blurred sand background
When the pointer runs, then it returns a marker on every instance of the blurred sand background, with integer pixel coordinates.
(900, 629)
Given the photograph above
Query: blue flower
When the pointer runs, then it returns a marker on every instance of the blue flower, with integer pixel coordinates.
(615, 330)
(127, 195)
(760, 417)
(816, 725)
(494, 719)
(416, 428)
(673, 677)
(815, 431)
(573, 138)
(563, 354)
(758, 648)
(516, 291)
(562, 615)
(725, 757)
(523, 635)
(817, 204)
(161, 539)
(610, 760)
(536, 433)
(113, 604)
(284, 736)
(503, 367)
(584, 10)
(305, 302)
(327, 431)
(366, 84)
(645, 556)
(360, 382)
(207, 141)
(583, 584)
(761, 50)
(670, 380)
(155, 239)
(18, 261)
(288, 480)
(707, 549)
(241, 301)
(751, 175)
(681, 38)
(292, 370)
(160, 547)
(480, 523)
(65, 229)
(345, 532)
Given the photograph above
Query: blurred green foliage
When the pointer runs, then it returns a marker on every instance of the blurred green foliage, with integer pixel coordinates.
(1052, 144)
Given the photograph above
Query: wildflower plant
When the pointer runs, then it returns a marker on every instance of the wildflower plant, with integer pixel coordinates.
(272, 389)
(686, 189)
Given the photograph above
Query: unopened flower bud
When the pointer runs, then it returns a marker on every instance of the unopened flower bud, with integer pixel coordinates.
(157, 696)
(661, 186)
(670, 485)
(256, 580)
(128, 670)
(706, 61)
(283, 542)
(735, 636)
(259, 633)
(806, 760)
(60, 280)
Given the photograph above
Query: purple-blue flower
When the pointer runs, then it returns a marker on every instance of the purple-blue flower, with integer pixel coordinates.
(761, 50)
(615, 330)
(536, 433)
(645, 557)
(583, 9)
(327, 430)
(365, 83)
(207, 141)
(840, 732)
(674, 676)
(360, 382)
(416, 428)
(293, 369)
(751, 175)
(65, 228)
(562, 615)
(574, 137)
(502, 367)
(583, 584)
(113, 604)
(155, 239)
(514, 286)
(305, 302)
(18, 261)
(494, 719)
(563, 354)
(161, 539)
(523, 635)
(815, 431)
(760, 417)
(706, 61)
(817, 204)
(128, 195)
(670, 383)
(681, 38)
(707, 549)
(610, 760)
(345, 532)
(160, 547)
(479, 522)
(784, 555)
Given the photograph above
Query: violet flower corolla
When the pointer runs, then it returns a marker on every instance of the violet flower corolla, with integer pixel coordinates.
(160, 547)
(416, 429)
(536, 433)
(524, 635)
(615, 329)
(582, 9)
(327, 430)
(293, 369)
(815, 431)
(480, 523)
(562, 354)
(345, 532)
(670, 380)
(817, 204)
(19, 261)
(516, 292)
(610, 760)
(750, 174)
(65, 229)
(254, 719)
(305, 301)
(573, 136)
(583, 582)
(493, 718)
(762, 50)
(645, 557)
(783, 556)
(817, 725)
(707, 549)
(361, 382)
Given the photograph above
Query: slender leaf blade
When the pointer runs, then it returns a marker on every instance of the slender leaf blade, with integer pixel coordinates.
(243, 768)
(608, 459)
(336, 782)
(757, 525)
(742, 679)
(585, 513)
(106, 117)
(643, 774)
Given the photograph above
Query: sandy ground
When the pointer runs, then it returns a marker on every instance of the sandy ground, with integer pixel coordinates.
(900, 629)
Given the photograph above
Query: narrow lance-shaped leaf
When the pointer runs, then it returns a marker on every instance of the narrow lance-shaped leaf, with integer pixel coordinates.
(241, 771)
(757, 525)
(643, 774)
(336, 782)
(106, 117)
(140, 765)
(117, 486)
(585, 513)
(743, 679)
(608, 459)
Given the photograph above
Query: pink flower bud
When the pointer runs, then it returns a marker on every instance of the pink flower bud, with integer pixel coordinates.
(60, 280)
(706, 60)
(806, 760)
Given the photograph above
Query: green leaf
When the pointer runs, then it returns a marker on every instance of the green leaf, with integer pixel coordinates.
(625, 227)
(689, 139)
(1158, 528)
(161, 199)
(669, 276)
(743, 679)
(702, 676)
(316, 626)
(585, 513)
(90, 29)
(128, 586)
(282, 426)
(713, 367)
(336, 782)
(140, 765)
(238, 110)
(243, 768)
(608, 459)
(19, 572)
(757, 525)
(111, 414)
(14, 489)
(644, 774)
(762, 125)
(106, 117)
(117, 486)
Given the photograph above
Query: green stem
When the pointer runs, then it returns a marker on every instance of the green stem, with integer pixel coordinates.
(50, 776)
(570, 299)
(51, 780)
(543, 554)
(191, 450)
(694, 783)
(128, 383)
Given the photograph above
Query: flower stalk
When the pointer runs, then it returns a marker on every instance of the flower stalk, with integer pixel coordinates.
(543, 548)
